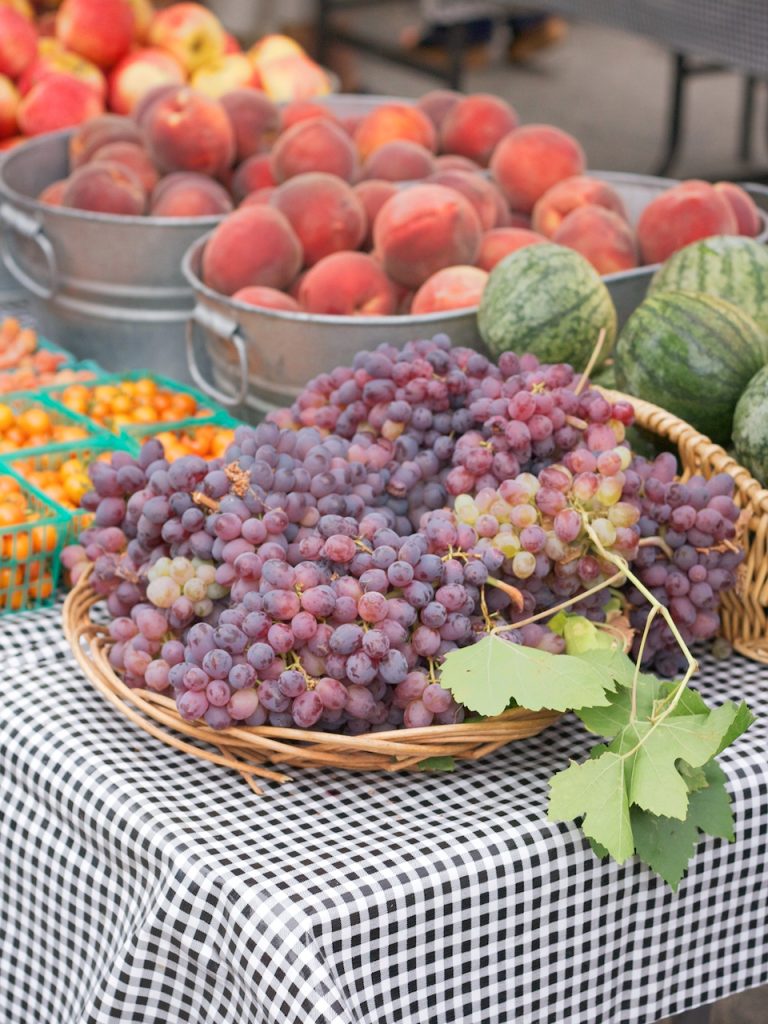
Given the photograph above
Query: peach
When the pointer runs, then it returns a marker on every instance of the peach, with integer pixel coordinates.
(324, 212)
(399, 160)
(140, 72)
(232, 71)
(348, 284)
(260, 196)
(423, 229)
(18, 42)
(190, 32)
(9, 143)
(475, 125)
(500, 242)
(252, 174)
(315, 145)
(748, 218)
(267, 298)
(569, 194)
(350, 124)
(450, 288)
(292, 78)
(503, 212)
(601, 236)
(373, 193)
(304, 110)
(186, 131)
(105, 188)
(9, 105)
(683, 214)
(253, 246)
(394, 121)
(255, 120)
(454, 162)
(52, 57)
(531, 160)
(53, 194)
(128, 154)
(191, 195)
(98, 132)
(99, 30)
(437, 103)
(479, 191)
(140, 112)
(58, 101)
(295, 286)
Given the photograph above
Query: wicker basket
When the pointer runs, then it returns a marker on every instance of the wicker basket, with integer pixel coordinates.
(745, 609)
(248, 749)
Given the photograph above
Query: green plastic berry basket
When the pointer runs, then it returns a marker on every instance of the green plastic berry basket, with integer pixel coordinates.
(30, 552)
(25, 464)
(205, 407)
(59, 415)
(138, 433)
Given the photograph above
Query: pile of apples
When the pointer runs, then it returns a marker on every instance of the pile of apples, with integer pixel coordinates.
(64, 63)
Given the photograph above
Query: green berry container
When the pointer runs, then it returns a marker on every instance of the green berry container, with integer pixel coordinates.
(205, 407)
(30, 552)
(21, 401)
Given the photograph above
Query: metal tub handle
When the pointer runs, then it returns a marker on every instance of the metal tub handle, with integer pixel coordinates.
(226, 330)
(30, 228)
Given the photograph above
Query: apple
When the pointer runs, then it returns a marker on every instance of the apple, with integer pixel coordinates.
(100, 30)
(9, 104)
(293, 78)
(52, 58)
(138, 73)
(18, 42)
(233, 71)
(58, 101)
(274, 47)
(231, 45)
(143, 13)
(22, 6)
(190, 32)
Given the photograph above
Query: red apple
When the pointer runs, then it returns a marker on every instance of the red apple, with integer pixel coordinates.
(190, 32)
(53, 58)
(233, 71)
(100, 30)
(58, 101)
(138, 73)
(9, 104)
(18, 42)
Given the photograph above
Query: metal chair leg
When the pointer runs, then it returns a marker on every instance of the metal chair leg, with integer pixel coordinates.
(674, 125)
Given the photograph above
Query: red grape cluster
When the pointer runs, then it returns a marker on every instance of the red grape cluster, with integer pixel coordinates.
(317, 579)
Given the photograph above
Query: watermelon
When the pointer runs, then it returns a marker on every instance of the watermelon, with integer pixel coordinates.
(750, 427)
(730, 267)
(547, 300)
(691, 354)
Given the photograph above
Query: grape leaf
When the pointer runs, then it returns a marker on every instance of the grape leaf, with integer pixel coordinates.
(485, 675)
(710, 808)
(741, 722)
(437, 764)
(599, 851)
(695, 778)
(651, 750)
(665, 844)
(614, 661)
(610, 720)
(597, 790)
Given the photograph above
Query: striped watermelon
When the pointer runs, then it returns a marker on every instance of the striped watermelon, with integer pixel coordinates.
(750, 427)
(730, 267)
(547, 300)
(691, 354)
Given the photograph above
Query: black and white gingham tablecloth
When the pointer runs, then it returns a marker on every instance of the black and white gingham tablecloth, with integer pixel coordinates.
(139, 885)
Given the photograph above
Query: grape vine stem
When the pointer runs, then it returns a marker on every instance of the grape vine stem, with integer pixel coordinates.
(549, 612)
(591, 364)
(677, 693)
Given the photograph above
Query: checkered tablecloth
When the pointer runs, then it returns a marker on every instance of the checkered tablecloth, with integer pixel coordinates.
(139, 885)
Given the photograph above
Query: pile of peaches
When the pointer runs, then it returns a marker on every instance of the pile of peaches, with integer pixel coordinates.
(62, 63)
(407, 209)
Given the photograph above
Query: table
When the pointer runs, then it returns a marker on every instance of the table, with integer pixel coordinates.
(139, 885)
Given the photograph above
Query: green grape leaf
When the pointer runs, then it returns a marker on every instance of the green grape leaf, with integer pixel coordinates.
(597, 790)
(710, 808)
(610, 720)
(614, 661)
(485, 675)
(695, 778)
(437, 764)
(651, 751)
(599, 851)
(665, 844)
(741, 722)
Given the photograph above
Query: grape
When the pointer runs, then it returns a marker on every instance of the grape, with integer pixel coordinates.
(307, 709)
(243, 704)
(417, 715)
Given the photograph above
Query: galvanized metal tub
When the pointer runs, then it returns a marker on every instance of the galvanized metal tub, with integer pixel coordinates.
(105, 287)
(260, 359)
